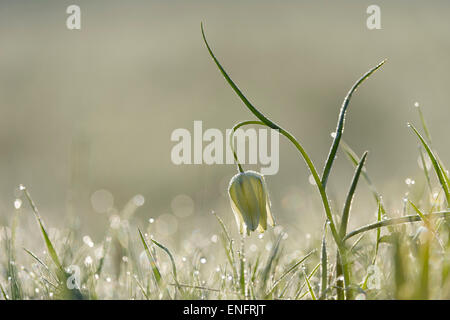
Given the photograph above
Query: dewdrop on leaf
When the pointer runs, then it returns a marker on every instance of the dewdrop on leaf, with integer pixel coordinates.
(250, 202)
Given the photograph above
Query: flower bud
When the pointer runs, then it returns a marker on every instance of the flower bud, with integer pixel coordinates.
(250, 202)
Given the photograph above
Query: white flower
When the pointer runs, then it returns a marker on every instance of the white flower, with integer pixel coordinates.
(250, 202)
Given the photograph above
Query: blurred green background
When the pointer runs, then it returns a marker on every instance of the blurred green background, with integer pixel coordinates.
(94, 109)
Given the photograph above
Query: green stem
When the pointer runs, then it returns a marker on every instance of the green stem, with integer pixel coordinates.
(231, 139)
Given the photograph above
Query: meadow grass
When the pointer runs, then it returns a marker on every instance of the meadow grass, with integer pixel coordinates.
(404, 256)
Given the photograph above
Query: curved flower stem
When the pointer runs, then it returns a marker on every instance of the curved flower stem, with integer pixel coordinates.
(394, 221)
(231, 140)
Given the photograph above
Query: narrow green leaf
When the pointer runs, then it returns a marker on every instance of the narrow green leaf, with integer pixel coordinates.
(172, 260)
(422, 216)
(377, 244)
(425, 169)
(354, 159)
(227, 245)
(324, 264)
(277, 282)
(424, 124)
(106, 245)
(153, 265)
(255, 267)
(444, 171)
(298, 296)
(242, 275)
(340, 124)
(269, 263)
(5, 296)
(379, 218)
(350, 195)
(395, 221)
(37, 259)
(424, 287)
(440, 172)
(429, 225)
(310, 289)
(48, 243)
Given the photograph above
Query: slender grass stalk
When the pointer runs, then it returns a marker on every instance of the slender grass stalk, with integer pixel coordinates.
(5, 296)
(299, 291)
(377, 244)
(48, 243)
(353, 157)
(106, 245)
(438, 168)
(324, 266)
(310, 289)
(38, 260)
(396, 221)
(151, 259)
(424, 286)
(350, 195)
(340, 124)
(172, 261)
(277, 282)
(268, 267)
(344, 223)
(428, 224)
(425, 169)
(227, 245)
(424, 123)
(242, 268)
(11, 270)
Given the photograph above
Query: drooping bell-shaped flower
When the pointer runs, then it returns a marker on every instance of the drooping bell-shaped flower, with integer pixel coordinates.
(250, 202)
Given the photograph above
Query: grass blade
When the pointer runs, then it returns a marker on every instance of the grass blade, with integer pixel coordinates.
(277, 282)
(172, 261)
(298, 296)
(425, 169)
(351, 155)
(310, 289)
(380, 213)
(395, 221)
(48, 243)
(227, 245)
(270, 259)
(424, 124)
(340, 124)
(377, 245)
(5, 296)
(11, 269)
(440, 172)
(324, 264)
(35, 257)
(151, 259)
(350, 195)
